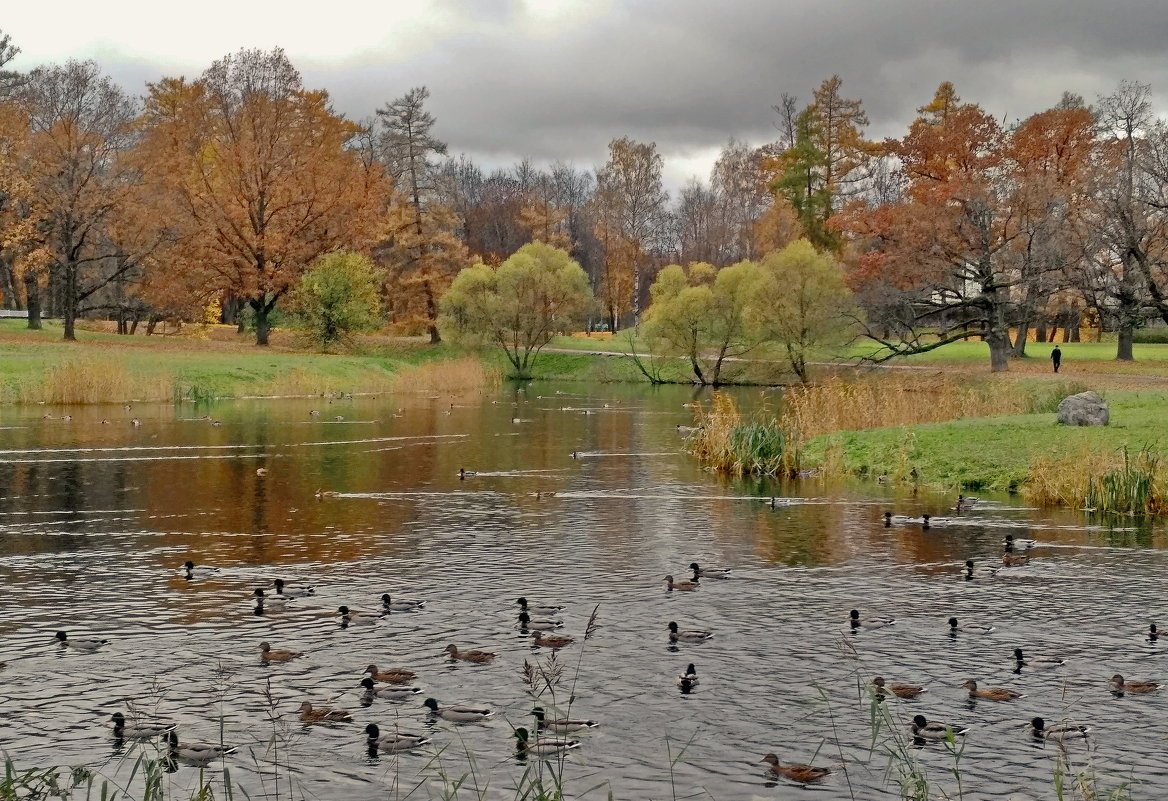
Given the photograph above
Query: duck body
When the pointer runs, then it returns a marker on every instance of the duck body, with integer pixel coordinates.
(900, 520)
(923, 729)
(562, 725)
(270, 654)
(198, 571)
(689, 679)
(794, 770)
(1040, 662)
(708, 572)
(201, 753)
(389, 693)
(856, 622)
(393, 742)
(969, 628)
(139, 730)
(685, 586)
(539, 609)
(990, 693)
(542, 746)
(907, 691)
(1018, 543)
(692, 635)
(284, 590)
(1059, 731)
(351, 617)
(1119, 685)
(392, 675)
(82, 644)
(458, 714)
(324, 714)
(389, 604)
(469, 656)
(973, 571)
(540, 624)
(271, 600)
(1011, 558)
(549, 640)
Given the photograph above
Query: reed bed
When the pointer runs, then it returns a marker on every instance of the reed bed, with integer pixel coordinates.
(1107, 482)
(447, 376)
(94, 381)
(727, 442)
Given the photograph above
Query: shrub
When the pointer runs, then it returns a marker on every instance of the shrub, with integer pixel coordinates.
(337, 297)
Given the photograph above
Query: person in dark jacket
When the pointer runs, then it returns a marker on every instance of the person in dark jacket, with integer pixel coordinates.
(1056, 358)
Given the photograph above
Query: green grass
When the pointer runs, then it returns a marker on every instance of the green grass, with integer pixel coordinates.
(994, 453)
(977, 353)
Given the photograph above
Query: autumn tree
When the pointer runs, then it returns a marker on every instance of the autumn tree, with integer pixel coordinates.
(800, 300)
(630, 204)
(18, 199)
(420, 249)
(537, 293)
(258, 176)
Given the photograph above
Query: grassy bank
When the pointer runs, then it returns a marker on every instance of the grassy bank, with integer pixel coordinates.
(37, 367)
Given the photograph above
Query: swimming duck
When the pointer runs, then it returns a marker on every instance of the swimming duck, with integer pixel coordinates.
(463, 474)
(350, 617)
(899, 690)
(458, 714)
(1019, 543)
(1059, 731)
(1153, 634)
(261, 471)
(314, 412)
(543, 746)
(990, 693)
(400, 605)
(323, 714)
(693, 635)
(1037, 661)
(794, 770)
(689, 679)
(1119, 686)
(80, 644)
(198, 571)
(389, 693)
(536, 609)
(269, 654)
(393, 675)
(549, 640)
(196, 752)
(272, 600)
(561, 725)
(292, 592)
(686, 586)
(928, 521)
(1011, 558)
(135, 422)
(985, 571)
(923, 729)
(526, 622)
(898, 520)
(394, 742)
(969, 628)
(140, 731)
(965, 503)
(469, 656)
(323, 493)
(868, 623)
(709, 572)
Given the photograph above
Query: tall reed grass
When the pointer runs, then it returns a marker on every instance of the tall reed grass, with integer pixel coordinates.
(728, 442)
(93, 381)
(452, 375)
(1109, 482)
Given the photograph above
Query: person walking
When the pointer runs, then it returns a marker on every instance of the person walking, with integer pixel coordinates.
(1056, 358)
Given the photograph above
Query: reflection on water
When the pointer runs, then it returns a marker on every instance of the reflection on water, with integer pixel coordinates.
(564, 508)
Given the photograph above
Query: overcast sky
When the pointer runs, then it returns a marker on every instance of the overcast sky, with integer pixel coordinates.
(557, 79)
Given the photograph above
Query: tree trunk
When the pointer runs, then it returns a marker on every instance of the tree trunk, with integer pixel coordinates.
(32, 291)
(1040, 330)
(1020, 339)
(1123, 350)
(998, 338)
(263, 327)
(70, 303)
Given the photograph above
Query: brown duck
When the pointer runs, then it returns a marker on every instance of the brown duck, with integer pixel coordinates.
(899, 690)
(793, 770)
(1119, 686)
(269, 654)
(469, 656)
(392, 675)
(323, 715)
(550, 640)
(990, 693)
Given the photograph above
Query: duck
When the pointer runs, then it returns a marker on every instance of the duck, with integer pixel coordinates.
(135, 422)
(685, 586)
(269, 654)
(708, 572)
(985, 571)
(990, 693)
(351, 617)
(292, 592)
(562, 725)
(1153, 634)
(692, 635)
(458, 714)
(85, 645)
(899, 690)
(1037, 661)
(394, 742)
(898, 520)
(140, 731)
(689, 679)
(1119, 686)
(196, 752)
(1018, 543)
(323, 714)
(314, 412)
(469, 656)
(794, 770)
(392, 676)
(923, 729)
(543, 746)
(389, 693)
(323, 493)
(463, 474)
(400, 605)
(928, 521)
(969, 628)
(261, 471)
(868, 623)
(549, 640)
(274, 600)
(1059, 731)
(526, 622)
(964, 503)
(1011, 558)
(197, 571)
(538, 609)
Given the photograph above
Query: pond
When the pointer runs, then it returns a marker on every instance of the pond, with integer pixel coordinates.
(579, 496)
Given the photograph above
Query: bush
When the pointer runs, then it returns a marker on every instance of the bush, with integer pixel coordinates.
(337, 297)
(1151, 336)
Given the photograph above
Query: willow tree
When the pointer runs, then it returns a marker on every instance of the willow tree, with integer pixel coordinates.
(537, 293)
(258, 178)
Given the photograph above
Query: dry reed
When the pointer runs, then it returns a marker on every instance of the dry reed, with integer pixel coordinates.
(727, 442)
(451, 375)
(96, 381)
(1101, 481)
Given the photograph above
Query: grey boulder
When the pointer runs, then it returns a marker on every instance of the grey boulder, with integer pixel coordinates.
(1084, 409)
